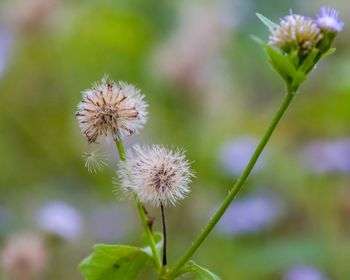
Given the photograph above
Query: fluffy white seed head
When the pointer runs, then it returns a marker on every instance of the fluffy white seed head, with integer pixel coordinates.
(111, 109)
(24, 257)
(155, 174)
(295, 32)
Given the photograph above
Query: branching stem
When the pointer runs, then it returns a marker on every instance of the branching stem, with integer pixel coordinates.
(236, 187)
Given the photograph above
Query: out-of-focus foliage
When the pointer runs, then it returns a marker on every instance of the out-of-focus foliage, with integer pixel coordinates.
(207, 84)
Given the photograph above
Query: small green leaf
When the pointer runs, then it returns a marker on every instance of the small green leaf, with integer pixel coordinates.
(294, 58)
(270, 24)
(110, 262)
(281, 63)
(284, 66)
(200, 272)
(158, 239)
(299, 78)
(257, 40)
(329, 52)
(310, 61)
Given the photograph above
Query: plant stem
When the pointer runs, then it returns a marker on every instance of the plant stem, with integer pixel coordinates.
(236, 187)
(149, 234)
(121, 150)
(142, 213)
(164, 236)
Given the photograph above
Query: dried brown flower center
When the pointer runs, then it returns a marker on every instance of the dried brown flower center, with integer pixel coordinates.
(109, 113)
(163, 178)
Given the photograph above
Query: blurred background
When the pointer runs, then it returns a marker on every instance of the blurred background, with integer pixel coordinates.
(211, 92)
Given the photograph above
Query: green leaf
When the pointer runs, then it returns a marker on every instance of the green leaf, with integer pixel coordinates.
(294, 58)
(110, 262)
(310, 61)
(158, 239)
(329, 52)
(258, 40)
(281, 63)
(284, 66)
(200, 272)
(299, 78)
(270, 24)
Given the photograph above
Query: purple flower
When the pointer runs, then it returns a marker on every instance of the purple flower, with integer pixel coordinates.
(251, 214)
(234, 155)
(5, 48)
(110, 223)
(303, 272)
(328, 19)
(60, 219)
(5, 219)
(327, 156)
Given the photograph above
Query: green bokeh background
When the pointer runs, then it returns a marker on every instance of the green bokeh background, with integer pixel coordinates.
(57, 54)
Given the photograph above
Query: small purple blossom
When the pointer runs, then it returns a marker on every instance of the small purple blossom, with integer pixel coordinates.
(328, 19)
(303, 272)
(5, 48)
(251, 214)
(5, 219)
(110, 223)
(234, 155)
(60, 219)
(327, 156)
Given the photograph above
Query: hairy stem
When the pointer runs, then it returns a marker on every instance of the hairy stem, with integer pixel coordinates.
(142, 212)
(164, 236)
(235, 189)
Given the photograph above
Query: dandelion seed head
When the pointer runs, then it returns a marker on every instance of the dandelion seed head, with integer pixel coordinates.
(111, 109)
(95, 160)
(156, 175)
(328, 19)
(24, 257)
(295, 32)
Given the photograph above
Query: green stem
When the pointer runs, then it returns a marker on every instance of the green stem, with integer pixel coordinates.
(149, 234)
(235, 189)
(165, 261)
(121, 150)
(142, 213)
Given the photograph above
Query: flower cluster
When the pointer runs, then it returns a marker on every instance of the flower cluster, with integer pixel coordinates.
(156, 175)
(303, 34)
(298, 42)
